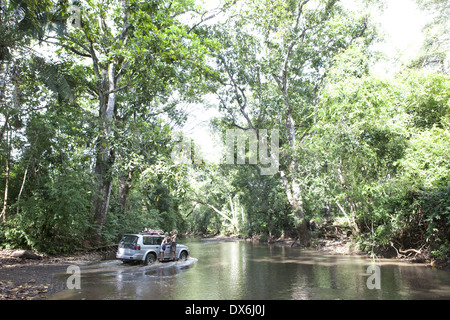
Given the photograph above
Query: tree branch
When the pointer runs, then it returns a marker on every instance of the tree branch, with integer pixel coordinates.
(214, 208)
(213, 15)
(115, 90)
(241, 98)
(70, 48)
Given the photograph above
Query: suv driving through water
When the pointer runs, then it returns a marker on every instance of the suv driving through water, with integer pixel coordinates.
(144, 247)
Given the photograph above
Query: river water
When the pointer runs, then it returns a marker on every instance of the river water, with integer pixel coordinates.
(243, 270)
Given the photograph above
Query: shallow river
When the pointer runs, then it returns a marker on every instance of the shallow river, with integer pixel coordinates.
(243, 270)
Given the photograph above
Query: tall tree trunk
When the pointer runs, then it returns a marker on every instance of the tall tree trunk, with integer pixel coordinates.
(293, 192)
(101, 199)
(106, 154)
(21, 189)
(292, 188)
(4, 81)
(124, 189)
(107, 79)
(8, 158)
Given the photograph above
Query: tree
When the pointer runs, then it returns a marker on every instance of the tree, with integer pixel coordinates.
(21, 23)
(137, 52)
(361, 141)
(116, 69)
(273, 63)
(383, 141)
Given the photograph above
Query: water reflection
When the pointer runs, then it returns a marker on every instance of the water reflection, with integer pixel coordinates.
(242, 270)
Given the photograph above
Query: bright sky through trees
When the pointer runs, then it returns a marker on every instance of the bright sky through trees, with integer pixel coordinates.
(402, 21)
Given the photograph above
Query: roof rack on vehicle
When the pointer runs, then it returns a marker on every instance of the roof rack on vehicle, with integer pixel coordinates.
(152, 231)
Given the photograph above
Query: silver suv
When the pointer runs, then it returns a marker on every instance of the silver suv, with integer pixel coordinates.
(146, 248)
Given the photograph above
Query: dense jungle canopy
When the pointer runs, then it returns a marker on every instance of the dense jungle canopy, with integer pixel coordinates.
(93, 95)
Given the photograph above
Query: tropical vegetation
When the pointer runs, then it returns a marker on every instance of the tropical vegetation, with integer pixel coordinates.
(93, 95)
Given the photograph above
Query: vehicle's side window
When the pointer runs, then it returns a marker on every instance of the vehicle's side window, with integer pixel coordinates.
(147, 241)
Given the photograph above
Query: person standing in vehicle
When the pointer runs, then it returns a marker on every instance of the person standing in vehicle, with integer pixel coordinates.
(163, 246)
(173, 247)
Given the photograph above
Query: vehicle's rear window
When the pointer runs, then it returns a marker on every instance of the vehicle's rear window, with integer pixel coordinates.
(128, 241)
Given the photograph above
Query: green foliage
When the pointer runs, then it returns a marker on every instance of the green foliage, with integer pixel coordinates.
(265, 203)
(428, 98)
(390, 140)
(55, 217)
(369, 152)
(254, 204)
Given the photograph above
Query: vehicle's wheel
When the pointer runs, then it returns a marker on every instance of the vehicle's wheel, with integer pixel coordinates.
(149, 259)
(183, 256)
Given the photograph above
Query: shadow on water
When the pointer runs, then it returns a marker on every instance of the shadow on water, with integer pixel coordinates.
(243, 270)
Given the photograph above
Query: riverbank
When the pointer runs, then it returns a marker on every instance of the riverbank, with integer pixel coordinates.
(342, 246)
(331, 246)
(24, 278)
(346, 246)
